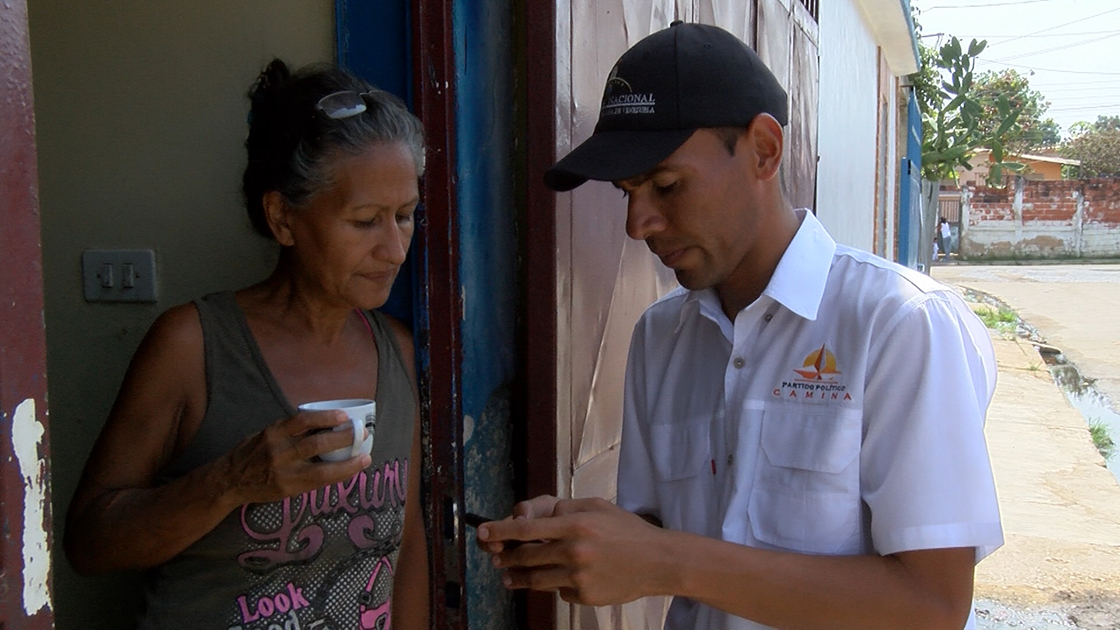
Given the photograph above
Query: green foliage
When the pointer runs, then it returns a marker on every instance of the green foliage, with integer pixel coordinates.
(1003, 320)
(1047, 134)
(1096, 145)
(1029, 131)
(1101, 439)
(1107, 123)
(954, 123)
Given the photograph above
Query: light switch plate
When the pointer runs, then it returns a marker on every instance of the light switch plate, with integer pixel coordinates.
(119, 275)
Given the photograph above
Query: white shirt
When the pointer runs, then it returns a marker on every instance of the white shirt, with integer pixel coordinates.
(840, 413)
(946, 231)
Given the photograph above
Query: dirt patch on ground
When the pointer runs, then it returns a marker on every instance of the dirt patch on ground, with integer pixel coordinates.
(1037, 577)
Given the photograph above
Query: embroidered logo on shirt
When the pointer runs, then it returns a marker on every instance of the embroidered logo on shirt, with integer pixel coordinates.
(822, 364)
(816, 379)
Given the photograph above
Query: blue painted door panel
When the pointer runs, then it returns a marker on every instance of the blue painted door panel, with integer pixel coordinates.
(488, 273)
(374, 42)
(910, 190)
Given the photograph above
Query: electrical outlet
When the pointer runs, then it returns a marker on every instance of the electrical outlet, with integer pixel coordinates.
(119, 275)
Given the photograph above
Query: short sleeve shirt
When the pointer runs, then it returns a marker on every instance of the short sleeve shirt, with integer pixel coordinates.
(840, 413)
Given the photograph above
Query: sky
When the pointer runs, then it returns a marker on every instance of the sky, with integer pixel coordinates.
(1069, 49)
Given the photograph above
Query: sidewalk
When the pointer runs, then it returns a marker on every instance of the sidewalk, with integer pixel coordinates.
(1060, 505)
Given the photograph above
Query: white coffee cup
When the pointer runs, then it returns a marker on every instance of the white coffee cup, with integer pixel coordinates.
(362, 415)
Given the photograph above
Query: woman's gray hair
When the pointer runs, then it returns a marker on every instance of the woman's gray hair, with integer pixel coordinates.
(292, 146)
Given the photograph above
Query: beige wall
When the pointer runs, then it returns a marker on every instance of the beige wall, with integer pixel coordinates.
(1045, 170)
(141, 114)
(1036, 170)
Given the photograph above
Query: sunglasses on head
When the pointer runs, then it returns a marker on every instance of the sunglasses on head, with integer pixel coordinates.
(342, 104)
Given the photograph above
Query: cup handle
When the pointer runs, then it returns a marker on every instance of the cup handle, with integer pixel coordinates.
(359, 426)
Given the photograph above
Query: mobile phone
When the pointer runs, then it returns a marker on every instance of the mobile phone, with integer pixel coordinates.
(474, 520)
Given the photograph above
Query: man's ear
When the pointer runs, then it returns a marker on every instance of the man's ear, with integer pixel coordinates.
(277, 214)
(767, 141)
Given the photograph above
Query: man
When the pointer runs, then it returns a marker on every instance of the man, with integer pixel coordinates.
(803, 438)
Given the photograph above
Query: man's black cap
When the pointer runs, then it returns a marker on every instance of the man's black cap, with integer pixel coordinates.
(668, 85)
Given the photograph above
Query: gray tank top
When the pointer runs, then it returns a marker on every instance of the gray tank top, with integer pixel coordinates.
(323, 560)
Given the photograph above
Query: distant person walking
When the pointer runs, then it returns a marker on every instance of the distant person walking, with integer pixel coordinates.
(945, 238)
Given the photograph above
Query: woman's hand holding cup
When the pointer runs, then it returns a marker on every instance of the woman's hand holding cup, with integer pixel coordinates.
(287, 457)
(360, 414)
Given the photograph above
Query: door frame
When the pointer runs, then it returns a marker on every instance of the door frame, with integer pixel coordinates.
(440, 313)
(25, 501)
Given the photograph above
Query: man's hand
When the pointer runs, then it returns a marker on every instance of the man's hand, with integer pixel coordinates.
(590, 550)
(540, 507)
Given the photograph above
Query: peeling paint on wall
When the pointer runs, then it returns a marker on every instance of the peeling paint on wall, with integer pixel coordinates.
(27, 438)
(489, 492)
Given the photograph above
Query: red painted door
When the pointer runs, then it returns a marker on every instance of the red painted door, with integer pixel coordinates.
(25, 520)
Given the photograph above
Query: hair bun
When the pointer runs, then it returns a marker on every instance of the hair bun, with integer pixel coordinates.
(274, 74)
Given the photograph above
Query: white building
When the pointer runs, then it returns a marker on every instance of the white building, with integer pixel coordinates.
(867, 47)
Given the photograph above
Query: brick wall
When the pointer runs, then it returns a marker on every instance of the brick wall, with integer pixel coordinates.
(1050, 201)
(1041, 219)
(1102, 201)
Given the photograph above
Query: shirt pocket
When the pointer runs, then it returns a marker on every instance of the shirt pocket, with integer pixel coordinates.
(680, 450)
(806, 493)
(681, 454)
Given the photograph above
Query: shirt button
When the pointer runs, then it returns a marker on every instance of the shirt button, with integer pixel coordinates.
(768, 317)
(730, 458)
(738, 362)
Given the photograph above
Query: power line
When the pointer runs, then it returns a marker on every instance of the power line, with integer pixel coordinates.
(976, 6)
(1042, 86)
(1065, 97)
(1040, 35)
(1036, 68)
(1107, 106)
(1089, 82)
(1062, 47)
(1072, 102)
(1088, 92)
(1081, 104)
(1054, 28)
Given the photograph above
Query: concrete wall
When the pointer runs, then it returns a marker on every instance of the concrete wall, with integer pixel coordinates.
(886, 162)
(141, 114)
(1041, 219)
(847, 124)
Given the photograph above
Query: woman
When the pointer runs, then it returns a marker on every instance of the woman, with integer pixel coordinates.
(206, 473)
(945, 235)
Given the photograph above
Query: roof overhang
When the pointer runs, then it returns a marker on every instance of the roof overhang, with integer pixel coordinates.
(1029, 157)
(1048, 158)
(894, 32)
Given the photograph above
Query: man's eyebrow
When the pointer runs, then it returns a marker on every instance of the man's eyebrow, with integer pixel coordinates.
(638, 180)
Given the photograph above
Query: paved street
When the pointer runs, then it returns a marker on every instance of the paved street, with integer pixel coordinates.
(1060, 506)
(1076, 307)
